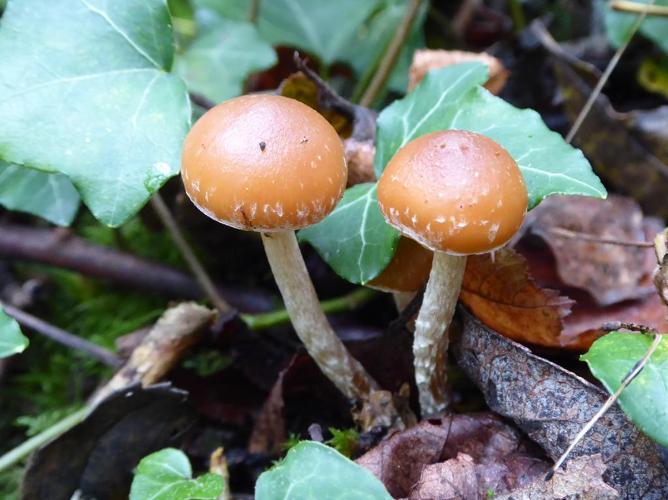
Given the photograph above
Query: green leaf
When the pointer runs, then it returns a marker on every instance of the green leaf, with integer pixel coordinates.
(354, 239)
(219, 60)
(50, 196)
(12, 341)
(85, 91)
(321, 28)
(645, 400)
(618, 25)
(312, 470)
(167, 475)
(367, 47)
(451, 98)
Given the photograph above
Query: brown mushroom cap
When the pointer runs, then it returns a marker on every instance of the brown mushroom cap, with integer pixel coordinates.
(454, 191)
(264, 163)
(407, 271)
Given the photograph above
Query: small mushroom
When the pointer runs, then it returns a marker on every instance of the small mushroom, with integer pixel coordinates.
(293, 179)
(457, 193)
(406, 273)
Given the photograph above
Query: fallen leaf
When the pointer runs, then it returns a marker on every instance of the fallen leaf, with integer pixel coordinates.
(500, 292)
(503, 458)
(427, 59)
(610, 273)
(614, 142)
(579, 478)
(551, 404)
(98, 455)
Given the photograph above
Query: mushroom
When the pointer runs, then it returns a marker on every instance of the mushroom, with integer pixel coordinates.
(457, 193)
(406, 273)
(271, 164)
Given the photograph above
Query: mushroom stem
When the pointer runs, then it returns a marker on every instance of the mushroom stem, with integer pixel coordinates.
(430, 345)
(308, 319)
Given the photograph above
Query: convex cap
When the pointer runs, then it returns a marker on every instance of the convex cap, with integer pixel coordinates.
(454, 191)
(264, 163)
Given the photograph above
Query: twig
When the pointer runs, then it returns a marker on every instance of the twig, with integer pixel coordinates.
(606, 74)
(188, 254)
(27, 447)
(347, 302)
(201, 101)
(576, 235)
(611, 326)
(63, 337)
(253, 11)
(639, 8)
(391, 55)
(610, 401)
(60, 248)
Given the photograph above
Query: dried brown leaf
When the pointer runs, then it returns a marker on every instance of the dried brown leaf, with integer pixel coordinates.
(551, 404)
(503, 459)
(610, 273)
(579, 478)
(498, 290)
(427, 59)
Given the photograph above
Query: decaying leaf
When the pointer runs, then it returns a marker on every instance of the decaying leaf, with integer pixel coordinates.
(551, 404)
(499, 291)
(98, 455)
(661, 272)
(359, 157)
(610, 273)
(614, 142)
(487, 451)
(425, 60)
(579, 478)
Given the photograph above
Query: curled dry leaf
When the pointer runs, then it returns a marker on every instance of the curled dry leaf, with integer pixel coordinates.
(579, 478)
(499, 291)
(551, 404)
(359, 157)
(427, 59)
(610, 273)
(477, 452)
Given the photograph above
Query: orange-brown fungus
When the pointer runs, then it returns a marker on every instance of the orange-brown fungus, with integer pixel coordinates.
(264, 163)
(454, 191)
(407, 271)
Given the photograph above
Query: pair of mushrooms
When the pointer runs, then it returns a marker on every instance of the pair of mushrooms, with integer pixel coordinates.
(273, 165)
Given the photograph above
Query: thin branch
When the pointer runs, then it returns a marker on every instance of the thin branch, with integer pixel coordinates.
(610, 401)
(60, 248)
(34, 443)
(253, 11)
(63, 337)
(189, 256)
(347, 302)
(639, 8)
(576, 235)
(391, 54)
(201, 101)
(611, 326)
(606, 74)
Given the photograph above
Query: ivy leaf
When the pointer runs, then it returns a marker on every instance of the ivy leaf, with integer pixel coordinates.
(85, 91)
(645, 399)
(219, 60)
(50, 196)
(618, 25)
(452, 99)
(12, 341)
(313, 470)
(167, 475)
(365, 49)
(354, 239)
(323, 29)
